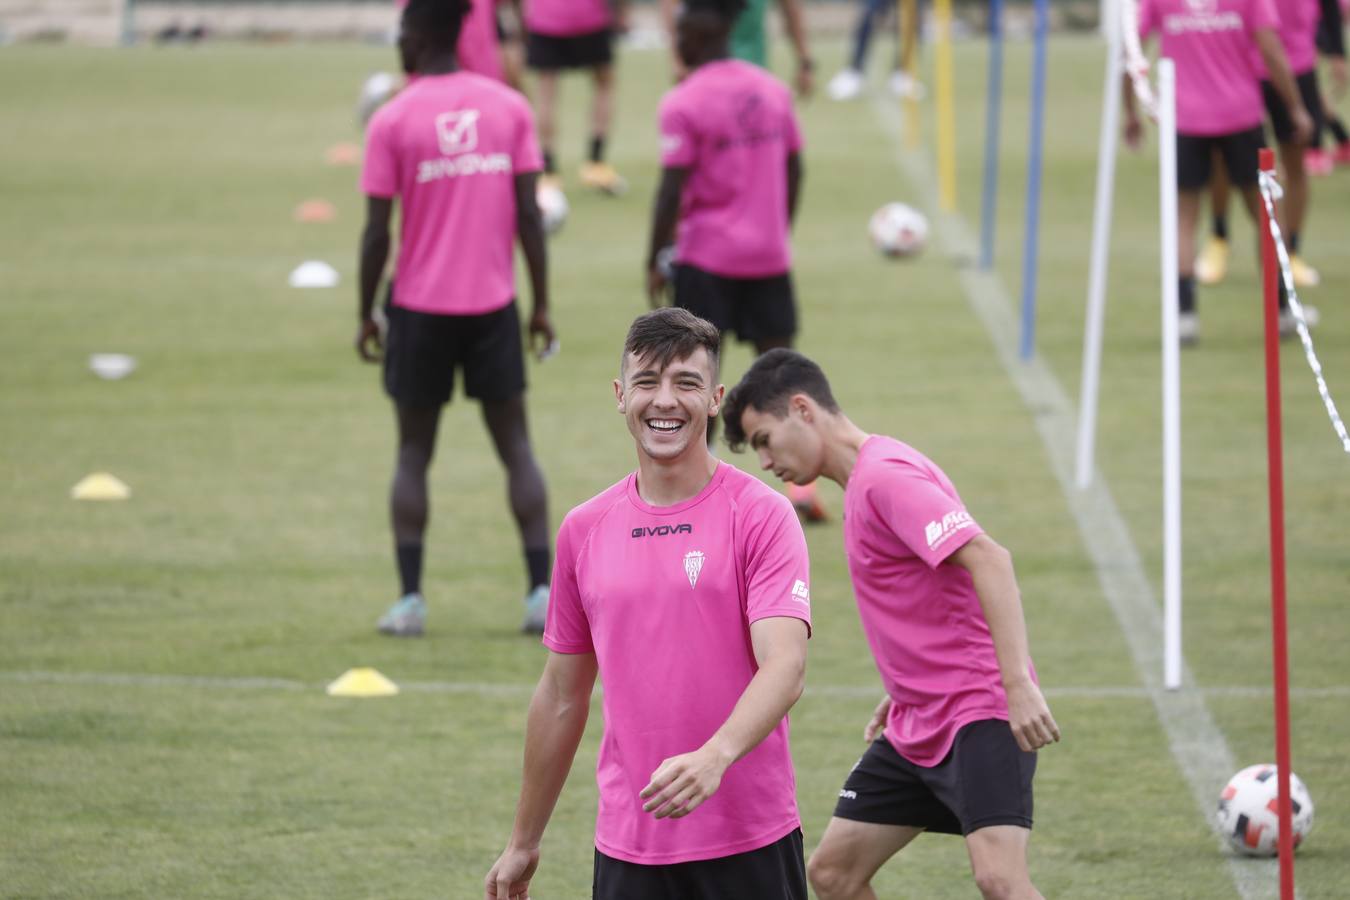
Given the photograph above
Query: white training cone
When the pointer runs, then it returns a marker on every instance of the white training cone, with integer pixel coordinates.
(314, 274)
(112, 366)
(100, 486)
(362, 682)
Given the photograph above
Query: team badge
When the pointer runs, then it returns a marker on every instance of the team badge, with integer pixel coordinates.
(693, 564)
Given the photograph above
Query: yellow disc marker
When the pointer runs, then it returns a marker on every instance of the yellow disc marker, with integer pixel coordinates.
(362, 682)
(100, 486)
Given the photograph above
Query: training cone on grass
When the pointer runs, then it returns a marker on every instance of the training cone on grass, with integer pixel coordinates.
(314, 274)
(362, 682)
(344, 154)
(315, 211)
(112, 366)
(100, 486)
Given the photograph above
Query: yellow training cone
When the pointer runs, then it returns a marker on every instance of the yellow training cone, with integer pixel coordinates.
(363, 682)
(100, 486)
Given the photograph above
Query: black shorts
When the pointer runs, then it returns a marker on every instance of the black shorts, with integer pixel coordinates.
(756, 309)
(984, 780)
(1195, 157)
(550, 53)
(775, 872)
(1280, 122)
(422, 351)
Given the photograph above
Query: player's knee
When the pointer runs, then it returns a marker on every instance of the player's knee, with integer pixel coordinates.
(831, 877)
(997, 885)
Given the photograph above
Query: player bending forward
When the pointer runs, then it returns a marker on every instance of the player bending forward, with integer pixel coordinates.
(956, 736)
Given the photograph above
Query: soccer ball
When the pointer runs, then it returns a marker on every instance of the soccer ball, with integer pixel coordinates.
(1249, 812)
(376, 91)
(552, 207)
(898, 230)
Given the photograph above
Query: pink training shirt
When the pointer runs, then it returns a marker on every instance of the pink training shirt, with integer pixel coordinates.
(1298, 34)
(449, 147)
(664, 597)
(1211, 41)
(567, 18)
(922, 617)
(732, 126)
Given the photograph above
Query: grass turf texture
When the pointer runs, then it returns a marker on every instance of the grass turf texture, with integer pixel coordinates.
(147, 210)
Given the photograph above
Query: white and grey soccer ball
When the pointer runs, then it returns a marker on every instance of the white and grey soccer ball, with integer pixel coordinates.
(552, 207)
(1249, 812)
(375, 92)
(898, 230)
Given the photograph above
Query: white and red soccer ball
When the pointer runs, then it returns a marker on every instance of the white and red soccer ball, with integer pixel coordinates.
(898, 230)
(1249, 812)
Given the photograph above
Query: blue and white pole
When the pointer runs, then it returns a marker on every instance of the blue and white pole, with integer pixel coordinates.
(1031, 241)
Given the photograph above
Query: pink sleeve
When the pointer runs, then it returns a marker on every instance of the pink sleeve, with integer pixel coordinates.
(525, 155)
(930, 522)
(777, 569)
(566, 628)
(678, 148)
(379, 170)
(1262, 14)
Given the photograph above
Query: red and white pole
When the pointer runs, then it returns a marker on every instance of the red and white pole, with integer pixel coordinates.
(1278, 613)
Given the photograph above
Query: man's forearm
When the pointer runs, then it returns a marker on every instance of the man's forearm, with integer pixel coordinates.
(762, 705)
(664, 217)
(374, 255)
(552, 733)
(535, 249)
(1277, 65)
(996, 586)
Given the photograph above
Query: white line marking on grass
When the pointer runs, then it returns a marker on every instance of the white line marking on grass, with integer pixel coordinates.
(1197, 744)
(520, 689)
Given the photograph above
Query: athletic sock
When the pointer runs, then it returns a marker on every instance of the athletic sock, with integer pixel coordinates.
(1220, 227)
(1338, 130)
(549, 163)
(598, 148)
(410, 567)
(1293, 242)
(1186, 293)
(536, 567)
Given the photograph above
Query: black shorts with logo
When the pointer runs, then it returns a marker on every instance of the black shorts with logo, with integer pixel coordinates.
(422, 351)
(549, 52)
(1280, 122)
(1240, 152)
(775, 872)
(984, 780)
(756, 309)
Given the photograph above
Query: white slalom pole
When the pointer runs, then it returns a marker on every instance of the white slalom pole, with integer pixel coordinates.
(1101, 246)
(1171, 375)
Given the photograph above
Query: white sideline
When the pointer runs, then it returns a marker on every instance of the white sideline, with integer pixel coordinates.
(1197, 744)
(520, 689)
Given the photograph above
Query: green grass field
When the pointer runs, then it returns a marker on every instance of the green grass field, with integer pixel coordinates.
(162, 721)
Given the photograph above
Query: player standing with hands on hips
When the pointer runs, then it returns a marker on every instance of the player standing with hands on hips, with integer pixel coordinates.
(954, 740)
(685, 587)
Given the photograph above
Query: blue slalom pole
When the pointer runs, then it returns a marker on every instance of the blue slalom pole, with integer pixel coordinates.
(1032, 232)
(993, 108)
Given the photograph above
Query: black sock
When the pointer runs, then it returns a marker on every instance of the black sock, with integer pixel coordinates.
(598, 148)
(549, 163)
(1186, 293)
(1220, 227)
(1293, 242)
(410, 567)
(1338, 130)
(536, 566)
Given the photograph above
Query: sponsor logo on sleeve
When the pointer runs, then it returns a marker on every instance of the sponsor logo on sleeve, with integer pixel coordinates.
(801, 593)
(939, 531)
(671, 143)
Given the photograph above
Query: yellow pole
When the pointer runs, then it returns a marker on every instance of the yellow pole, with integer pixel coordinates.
(946, 116)
(908, 23)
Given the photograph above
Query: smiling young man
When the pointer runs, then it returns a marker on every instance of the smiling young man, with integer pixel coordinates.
(963, 715)
(684, 586)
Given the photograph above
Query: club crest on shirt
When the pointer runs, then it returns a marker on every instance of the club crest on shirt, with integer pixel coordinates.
(457, 131)
(693, 564)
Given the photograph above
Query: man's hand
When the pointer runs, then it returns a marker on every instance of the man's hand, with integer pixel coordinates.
(542, 336)
(805, 82)
(656, 286)
(368, 342)
(1134, 133)
(1029, 716)
(877, 723)
(509, 877)
(681, 783)
(1303, 125)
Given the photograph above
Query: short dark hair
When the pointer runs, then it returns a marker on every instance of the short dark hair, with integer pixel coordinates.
(437, 21)
(670, 333)
(727, 9)
(768, 385)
